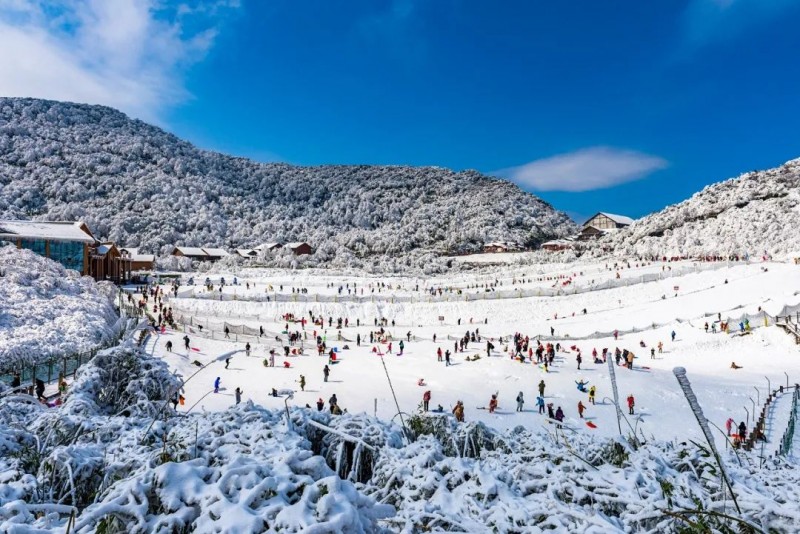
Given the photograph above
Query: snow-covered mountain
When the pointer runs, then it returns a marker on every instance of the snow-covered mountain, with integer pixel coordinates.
(139, 185)
(750, 214)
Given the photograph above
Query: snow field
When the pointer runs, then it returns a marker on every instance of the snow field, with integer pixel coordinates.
(358, 379)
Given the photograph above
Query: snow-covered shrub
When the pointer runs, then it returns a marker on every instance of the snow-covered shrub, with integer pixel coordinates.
(47, 310)
(122, 379)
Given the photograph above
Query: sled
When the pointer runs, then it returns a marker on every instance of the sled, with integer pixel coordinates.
(590, 424)
(644, 367)
(195, 349)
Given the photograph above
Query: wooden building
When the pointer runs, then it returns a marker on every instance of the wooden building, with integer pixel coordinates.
(601, 224)
(300, 248)
(138, 261)
(501, 246)
(200, 254)
(108, 263)
(557, 245)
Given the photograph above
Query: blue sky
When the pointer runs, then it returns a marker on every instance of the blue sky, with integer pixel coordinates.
(623, 107)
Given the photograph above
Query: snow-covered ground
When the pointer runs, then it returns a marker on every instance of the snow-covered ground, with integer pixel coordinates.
(117, 455)
(682, 304)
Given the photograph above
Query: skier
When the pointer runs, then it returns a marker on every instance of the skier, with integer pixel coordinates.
(673, 335)
(742, 430)
(426, 399)
(540, 403)
(216, 385)
(581, 408)
(247, 349)
(458, 411)
(541, 388)
(169, 346)
(652, 353)
(592, 392)
(227, 361)
(439, 354)
(402, 346)
(325, 372)
(227, 332)
(320, 404)
(272, 358)
(550, 413)
(631, 403)
(302, 383)
(579, 360)
(660, 347)
(186, 342)
(358, 340)
(493, 404)
(238, 394)
(520, 402)
(447, 358)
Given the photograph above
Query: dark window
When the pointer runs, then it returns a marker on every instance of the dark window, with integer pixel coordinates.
(68, 254)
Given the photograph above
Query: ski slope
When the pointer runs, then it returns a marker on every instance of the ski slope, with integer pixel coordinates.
(361, 384)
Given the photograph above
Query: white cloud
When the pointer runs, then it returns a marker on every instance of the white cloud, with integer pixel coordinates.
(128, 54)
(584, 170)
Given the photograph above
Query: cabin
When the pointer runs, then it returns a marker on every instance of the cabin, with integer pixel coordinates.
(68, 243)
(139, 261)
(200, 253)
(557, 245)
(268, 247)
(214, 254)
(300, 248)
(501, 246)
(108, 263)
(601, 224)
(246, 253)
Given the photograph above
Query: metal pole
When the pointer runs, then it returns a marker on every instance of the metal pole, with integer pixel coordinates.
(787, 379)
(769, 386)
(286, 404)
(758, 396)
(747, 423)
(754, 409)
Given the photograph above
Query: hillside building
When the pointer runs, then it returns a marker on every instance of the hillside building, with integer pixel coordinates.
(601, 224)
(557, 245)
(501, 246)
(300, 248)
(200, 253)
(139, 261)
(68, 243)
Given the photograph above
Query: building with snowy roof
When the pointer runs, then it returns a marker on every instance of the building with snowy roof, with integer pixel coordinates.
(501, 246)
(200, 253)
(139, 261)
(299, 248)
(69, 243)
(603, 223)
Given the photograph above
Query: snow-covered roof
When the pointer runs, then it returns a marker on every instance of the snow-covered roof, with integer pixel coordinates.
(268, 246)
(53, 231)
(130, 250)
(619, 219)
(191, 251)
(296, 244)
(104, 248)
(215, 251)
(143, 257)
(246, 252)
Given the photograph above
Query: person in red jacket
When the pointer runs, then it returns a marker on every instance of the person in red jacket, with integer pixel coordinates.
(631, 403)
(493, 404)
(426, 398)
(581, 407)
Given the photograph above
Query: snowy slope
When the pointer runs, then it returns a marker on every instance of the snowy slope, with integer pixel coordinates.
(756, 212)
(46, 309)
(138, 185)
